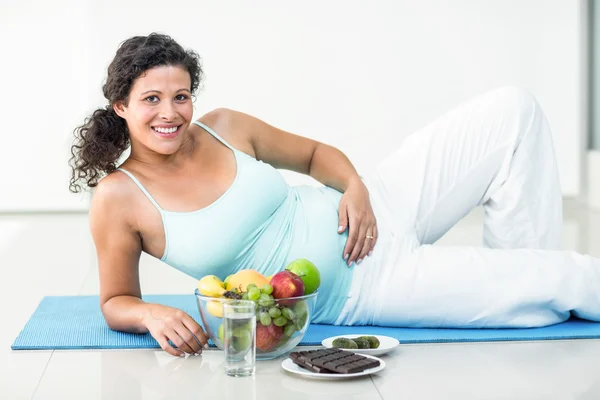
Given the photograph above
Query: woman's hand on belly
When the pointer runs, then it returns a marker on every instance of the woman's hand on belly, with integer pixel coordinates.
(357, 213)
(167, 323)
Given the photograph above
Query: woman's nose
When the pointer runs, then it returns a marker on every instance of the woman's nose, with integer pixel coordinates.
(168, 111)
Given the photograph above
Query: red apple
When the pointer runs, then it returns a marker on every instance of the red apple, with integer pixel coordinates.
(268, 337)
(287, 284)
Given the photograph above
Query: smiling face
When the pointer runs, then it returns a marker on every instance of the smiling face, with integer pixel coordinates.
(158, 111)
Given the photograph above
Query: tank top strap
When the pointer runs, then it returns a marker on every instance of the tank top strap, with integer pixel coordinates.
(142, 188)
(209, 130)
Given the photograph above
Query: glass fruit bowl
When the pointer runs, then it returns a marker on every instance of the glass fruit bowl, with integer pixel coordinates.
(277, 334)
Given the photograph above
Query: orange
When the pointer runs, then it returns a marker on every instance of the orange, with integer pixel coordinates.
(245, 277)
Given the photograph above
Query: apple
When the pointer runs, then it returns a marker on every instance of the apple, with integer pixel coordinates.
(242, 338)
(221, 334)
(268, 337)
(226, 281)
(286, 284)
(308, 272)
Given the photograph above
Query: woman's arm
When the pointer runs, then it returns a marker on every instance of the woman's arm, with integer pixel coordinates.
(118, 248)
(324, 163)
(285, 150)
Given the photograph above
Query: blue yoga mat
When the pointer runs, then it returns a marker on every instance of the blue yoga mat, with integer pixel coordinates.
(75, 322)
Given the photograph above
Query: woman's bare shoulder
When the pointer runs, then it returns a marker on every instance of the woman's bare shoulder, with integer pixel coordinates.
(112, 198)
(115, 186)
(220, 120)
(218, 116)
(233, 126)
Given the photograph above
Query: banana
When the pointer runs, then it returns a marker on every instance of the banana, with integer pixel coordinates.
(210, 285)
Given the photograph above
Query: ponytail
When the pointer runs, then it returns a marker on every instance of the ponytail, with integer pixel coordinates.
(99, 143)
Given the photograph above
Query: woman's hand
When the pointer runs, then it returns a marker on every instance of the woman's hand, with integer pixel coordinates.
(356, 212)
(167, 323)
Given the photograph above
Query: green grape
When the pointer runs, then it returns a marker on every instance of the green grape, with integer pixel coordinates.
(288, 313)
(266, 300)
(265, 318)
(266, 288)
(264, 309)
(250, 286)
(300, 307)
(265, 297)
(289, 330)
(300, 321)
(262, 303)
(301, 311)
(280, 321)
(253, 294)
(245, 296)
(274, 312)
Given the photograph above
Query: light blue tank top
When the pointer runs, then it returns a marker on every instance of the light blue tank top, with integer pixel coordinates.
(261, 223)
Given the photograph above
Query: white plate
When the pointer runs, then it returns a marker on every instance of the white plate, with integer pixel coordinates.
(386, 344)
(289, 365)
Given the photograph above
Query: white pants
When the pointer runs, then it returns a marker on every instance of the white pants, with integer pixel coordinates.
(495, 151)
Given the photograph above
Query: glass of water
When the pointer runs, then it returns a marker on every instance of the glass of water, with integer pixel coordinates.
(239, 337)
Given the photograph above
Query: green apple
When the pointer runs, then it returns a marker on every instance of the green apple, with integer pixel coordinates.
(242, 339)
(308, 272)
(220, 334)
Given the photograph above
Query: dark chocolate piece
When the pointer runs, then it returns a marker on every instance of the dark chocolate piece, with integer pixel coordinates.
(333, 361)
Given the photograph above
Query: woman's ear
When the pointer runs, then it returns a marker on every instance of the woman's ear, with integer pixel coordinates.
(119, 108)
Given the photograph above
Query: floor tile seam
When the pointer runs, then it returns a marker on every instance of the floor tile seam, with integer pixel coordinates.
(84, 281)
(376, 388)
(42, 376)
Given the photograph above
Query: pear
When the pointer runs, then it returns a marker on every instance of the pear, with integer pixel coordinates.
(211, 286)
(215, 308)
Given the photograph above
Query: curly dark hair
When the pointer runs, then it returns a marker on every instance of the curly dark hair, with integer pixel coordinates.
(104, 136)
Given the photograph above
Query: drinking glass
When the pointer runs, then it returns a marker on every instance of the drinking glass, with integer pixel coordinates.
(239, 337)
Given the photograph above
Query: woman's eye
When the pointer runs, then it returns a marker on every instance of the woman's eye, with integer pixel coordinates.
(151, 99)
(181, 97)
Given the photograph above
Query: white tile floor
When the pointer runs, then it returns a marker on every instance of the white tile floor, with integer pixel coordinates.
(53, 254)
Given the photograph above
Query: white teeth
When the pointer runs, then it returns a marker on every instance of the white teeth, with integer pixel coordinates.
(165, 130)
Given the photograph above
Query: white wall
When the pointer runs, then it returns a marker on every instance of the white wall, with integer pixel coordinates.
(358, 75)
(595, 87)
(44, 75)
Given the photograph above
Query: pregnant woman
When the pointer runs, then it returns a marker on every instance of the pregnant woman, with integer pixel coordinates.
(205, 197)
